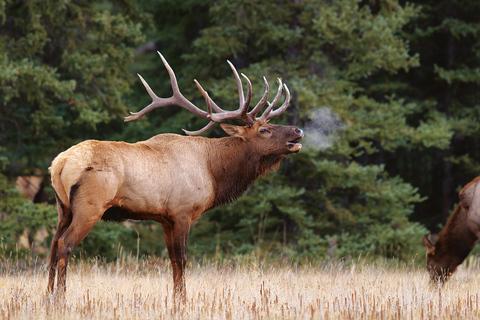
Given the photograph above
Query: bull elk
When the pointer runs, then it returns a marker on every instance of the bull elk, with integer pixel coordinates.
(169, 178)
(458, 237)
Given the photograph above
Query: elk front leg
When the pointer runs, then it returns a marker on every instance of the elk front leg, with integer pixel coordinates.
(176, 234)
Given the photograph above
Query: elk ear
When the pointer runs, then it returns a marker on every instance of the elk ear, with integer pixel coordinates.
(234, 131)
(430, 247)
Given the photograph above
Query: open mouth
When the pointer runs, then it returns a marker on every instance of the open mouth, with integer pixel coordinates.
(294, 145)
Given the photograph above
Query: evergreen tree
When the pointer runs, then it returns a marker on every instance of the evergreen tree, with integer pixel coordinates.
(63, 74)
(446, 35)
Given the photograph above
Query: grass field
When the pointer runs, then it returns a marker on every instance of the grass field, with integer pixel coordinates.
(249, 290)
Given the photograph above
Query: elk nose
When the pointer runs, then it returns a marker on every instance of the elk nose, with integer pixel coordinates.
(299, 131)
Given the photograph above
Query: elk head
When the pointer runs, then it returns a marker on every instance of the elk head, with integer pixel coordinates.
(439, 266)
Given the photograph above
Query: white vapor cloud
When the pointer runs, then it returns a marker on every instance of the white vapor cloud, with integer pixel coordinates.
(322, 131)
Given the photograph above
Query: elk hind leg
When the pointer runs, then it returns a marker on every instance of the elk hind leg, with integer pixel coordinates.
(87, 206)
(88, 201)
(64, 220)
(75, 233)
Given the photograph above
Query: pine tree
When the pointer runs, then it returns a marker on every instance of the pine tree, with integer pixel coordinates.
(63, 74)
(446, 35)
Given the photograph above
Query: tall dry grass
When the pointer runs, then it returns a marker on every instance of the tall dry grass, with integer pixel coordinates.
(249, 290)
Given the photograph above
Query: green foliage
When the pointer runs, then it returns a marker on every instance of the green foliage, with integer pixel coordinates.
(365, 41)
(107, 240)
(19, 216)
(258, 222)
(397, 240)
(64, 72)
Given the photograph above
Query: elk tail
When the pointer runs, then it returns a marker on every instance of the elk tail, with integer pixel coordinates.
(55, 171)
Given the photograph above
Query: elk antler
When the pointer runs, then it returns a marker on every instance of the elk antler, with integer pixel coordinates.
(220, 115)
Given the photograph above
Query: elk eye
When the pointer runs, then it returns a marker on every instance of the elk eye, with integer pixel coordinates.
(264, 131)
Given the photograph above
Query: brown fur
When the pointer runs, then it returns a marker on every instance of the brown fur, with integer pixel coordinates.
(455, 241)
(169, 178)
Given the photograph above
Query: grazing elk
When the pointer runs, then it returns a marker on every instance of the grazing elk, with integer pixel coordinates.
(457, 238)
(169, 178)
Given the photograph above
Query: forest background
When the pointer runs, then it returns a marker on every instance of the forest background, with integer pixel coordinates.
(387, 92)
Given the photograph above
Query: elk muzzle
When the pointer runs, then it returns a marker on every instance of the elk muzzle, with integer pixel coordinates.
(438, 275)
(293, 145)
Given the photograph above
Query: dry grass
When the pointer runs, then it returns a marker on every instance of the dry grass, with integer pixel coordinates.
(249, 291)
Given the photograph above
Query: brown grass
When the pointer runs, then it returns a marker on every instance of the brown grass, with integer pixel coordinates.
(249, 291)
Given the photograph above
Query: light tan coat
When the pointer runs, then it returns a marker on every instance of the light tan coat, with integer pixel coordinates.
(171, 179)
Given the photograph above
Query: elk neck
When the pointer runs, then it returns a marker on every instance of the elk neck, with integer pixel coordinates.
(456, 240)
(236, 165)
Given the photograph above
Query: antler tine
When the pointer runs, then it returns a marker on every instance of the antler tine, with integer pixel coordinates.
(207, 97)
(239, 83)
(246, 104)
(204, 129)
(261, 103)
(242, 112)
(147, 109)
(176, 99)
(282, 108)
(210, 124)
(270, 107)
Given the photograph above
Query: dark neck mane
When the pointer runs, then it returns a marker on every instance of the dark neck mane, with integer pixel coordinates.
(236, 166)
(456, 240)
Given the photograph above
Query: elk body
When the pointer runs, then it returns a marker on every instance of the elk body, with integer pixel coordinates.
(169, 178)
(458, 237)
